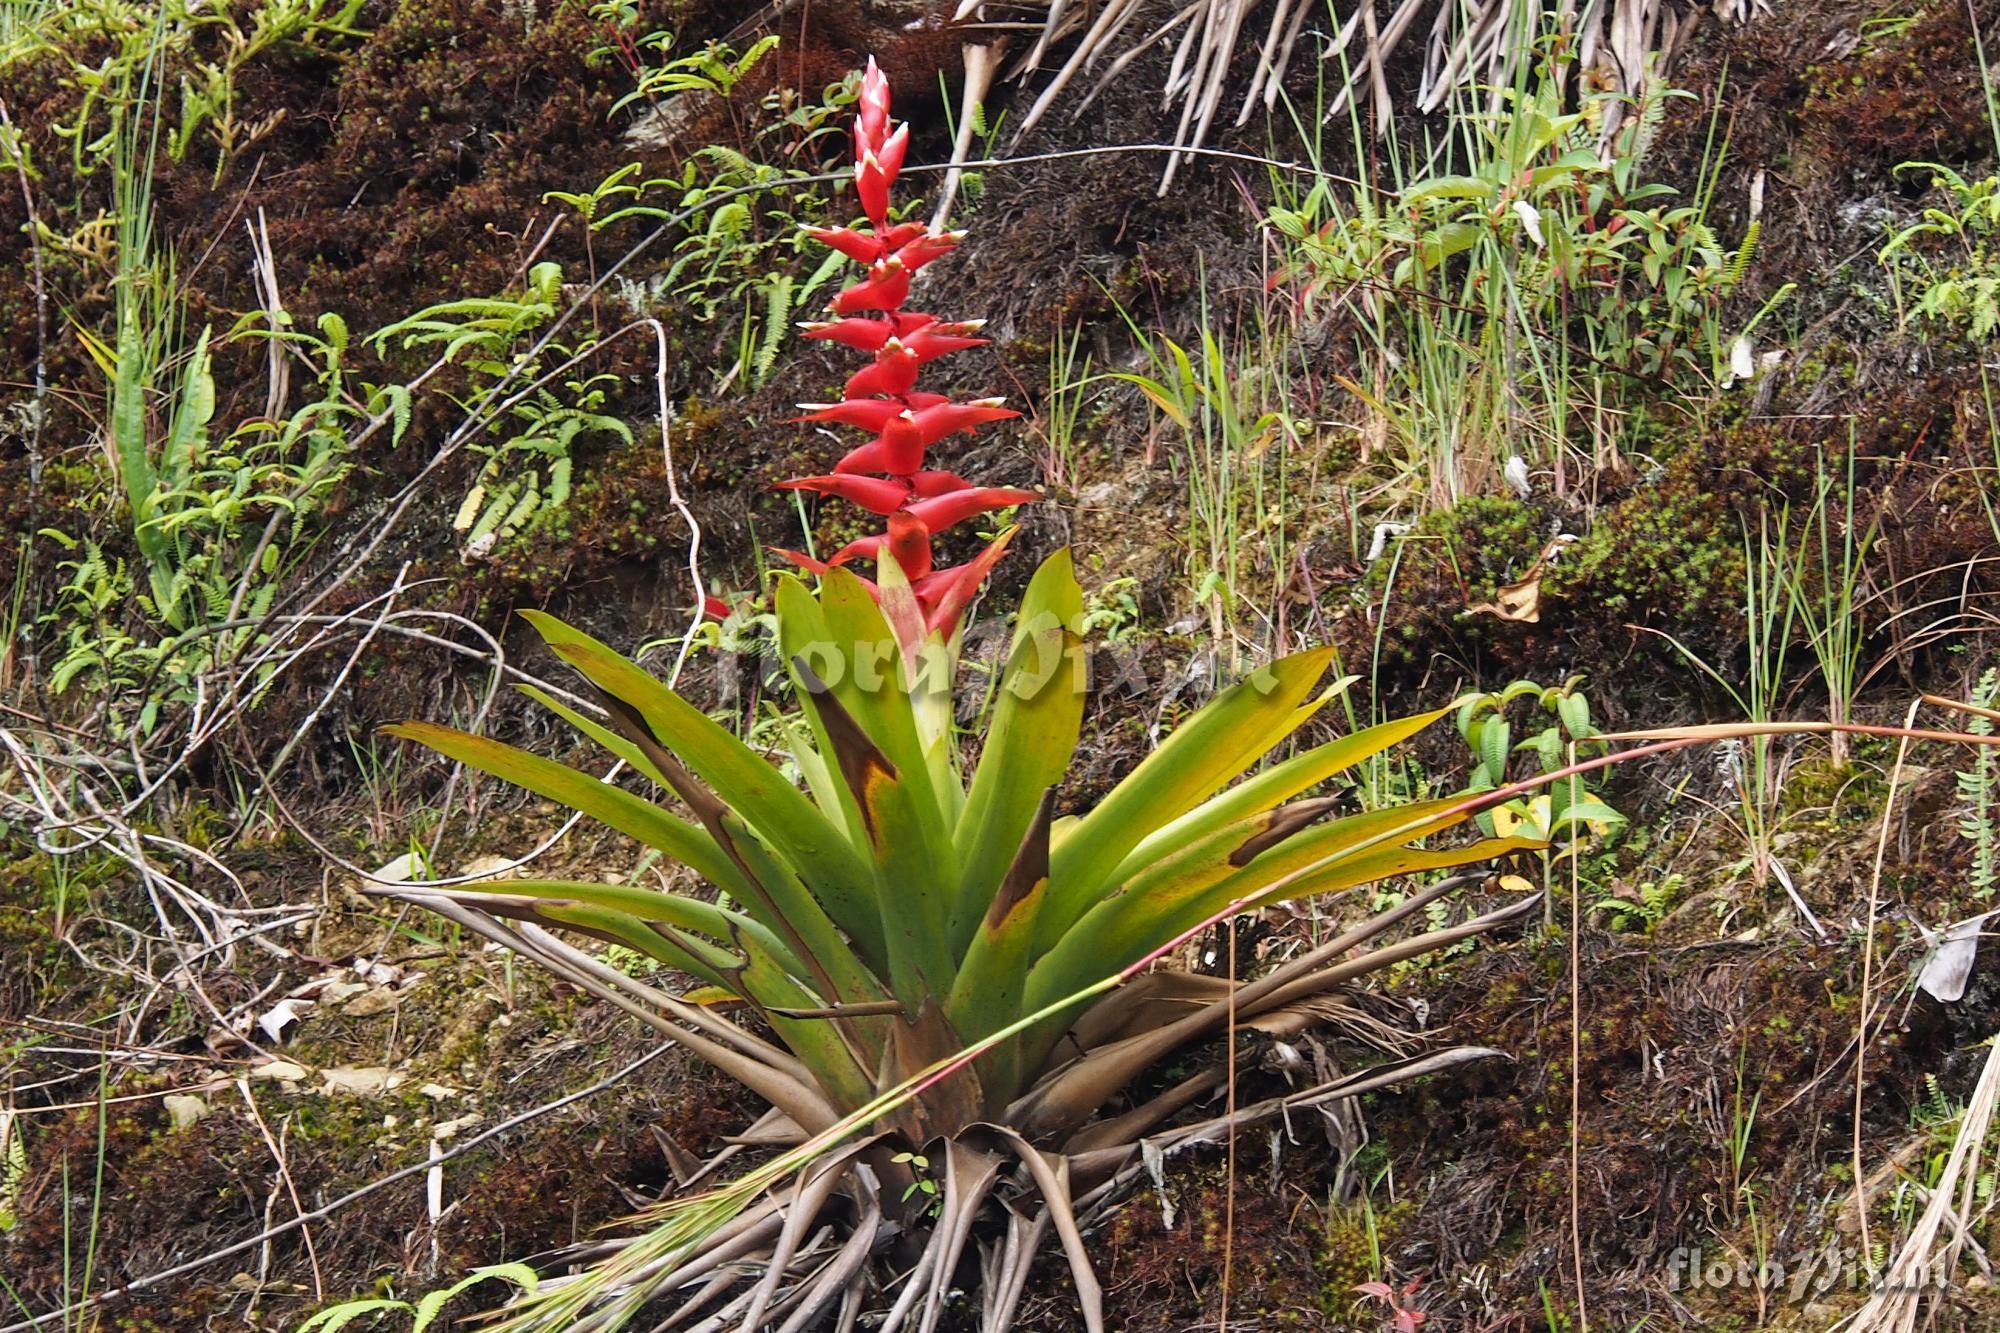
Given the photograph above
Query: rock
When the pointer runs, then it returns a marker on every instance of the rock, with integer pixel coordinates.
(446, 1128)
(282, 1070)
(375, 1000)
(489, 867)
(183, 1109)
(360, 1080)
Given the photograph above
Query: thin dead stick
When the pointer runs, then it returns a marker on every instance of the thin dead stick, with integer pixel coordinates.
(1576, 1074)
(285, 1174)
(1960, 706)
(1868, 973)
(1229, 1148)
(361, 644)
(1722, 731)
(324, 1211)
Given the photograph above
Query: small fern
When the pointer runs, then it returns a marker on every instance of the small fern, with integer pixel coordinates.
(1739, 263)
(1975, 788)
(777, 311)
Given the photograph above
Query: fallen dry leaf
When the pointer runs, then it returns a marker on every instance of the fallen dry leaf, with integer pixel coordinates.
(1520, 602)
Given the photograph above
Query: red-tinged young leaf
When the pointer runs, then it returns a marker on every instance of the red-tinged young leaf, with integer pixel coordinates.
(943, 609)
(902, 611)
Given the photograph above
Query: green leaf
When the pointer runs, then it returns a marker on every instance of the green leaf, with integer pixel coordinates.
(1030, 741)
(774, 893)
(629, 814)
(1496, 742)
(863, 663)
(1450, 187)
(429, 1307)
(1574, 710)
(1223, 738)
(337, 1317)
(744, 781)
(1242, 857)
(1278, 783)
(1159, 396)
(645, 906)
(911, 868)
(831, 1048)
(992, 982)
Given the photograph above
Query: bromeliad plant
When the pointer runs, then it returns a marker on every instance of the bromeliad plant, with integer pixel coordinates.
(902, 909)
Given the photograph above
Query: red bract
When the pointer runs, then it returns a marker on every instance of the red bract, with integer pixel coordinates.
(893, 374)
(868, 335)
(924, 249)
(886, 475)
(868, 413)
(931, 343)
(886, 288)
(927, 425)
(878, 495)
(873, 125)
(931, 516)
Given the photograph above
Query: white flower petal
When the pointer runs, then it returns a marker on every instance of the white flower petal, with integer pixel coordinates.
(1743, 359)
(1530, 219)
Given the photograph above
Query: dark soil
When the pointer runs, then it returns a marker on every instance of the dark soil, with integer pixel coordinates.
(411, 165)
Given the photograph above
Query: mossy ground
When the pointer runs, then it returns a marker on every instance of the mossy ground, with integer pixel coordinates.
(412, 165)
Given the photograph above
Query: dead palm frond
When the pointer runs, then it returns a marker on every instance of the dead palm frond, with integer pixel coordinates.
(1220, 45)
(1920, 1274)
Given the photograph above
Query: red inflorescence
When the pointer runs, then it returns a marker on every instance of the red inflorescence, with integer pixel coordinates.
(887, 475)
